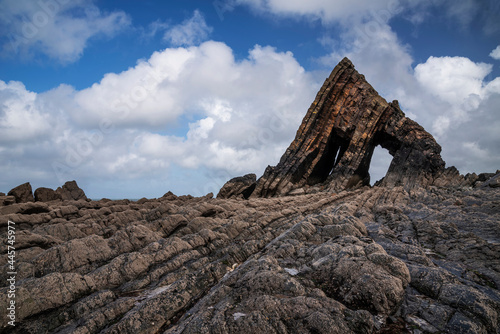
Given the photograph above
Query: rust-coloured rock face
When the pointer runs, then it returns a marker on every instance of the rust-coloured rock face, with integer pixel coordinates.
(335, 142)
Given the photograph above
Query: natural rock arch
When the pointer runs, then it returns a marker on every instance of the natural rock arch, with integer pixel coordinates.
(335, 142)
(379, 165)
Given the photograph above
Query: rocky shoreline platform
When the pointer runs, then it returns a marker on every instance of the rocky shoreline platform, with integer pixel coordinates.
(309, 247)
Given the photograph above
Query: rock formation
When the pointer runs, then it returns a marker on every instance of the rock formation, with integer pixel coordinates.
(411, 255)
(237, 187)
(22, 193)
(335, 142)
(362, 261)
(71, 191)
(46, 195)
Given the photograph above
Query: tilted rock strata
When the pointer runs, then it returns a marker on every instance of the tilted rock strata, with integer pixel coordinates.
(335, 142)
(362, 261)
(238, 187)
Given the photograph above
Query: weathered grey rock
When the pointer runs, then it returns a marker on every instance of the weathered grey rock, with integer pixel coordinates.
(495, 183)
(25, 208)
(363, 276)
(492, 182)
(40, 294)
(380, 259)
(22, 193)
(460, 324)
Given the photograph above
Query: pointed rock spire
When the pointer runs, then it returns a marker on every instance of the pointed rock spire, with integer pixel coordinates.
(334, 144)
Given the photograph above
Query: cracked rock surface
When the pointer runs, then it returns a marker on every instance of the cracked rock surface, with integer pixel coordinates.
(371, 260)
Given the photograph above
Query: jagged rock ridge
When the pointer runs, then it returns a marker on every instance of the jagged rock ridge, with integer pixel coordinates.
(335, 142)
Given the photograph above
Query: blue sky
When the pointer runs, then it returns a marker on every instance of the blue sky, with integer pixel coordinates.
(136, 98)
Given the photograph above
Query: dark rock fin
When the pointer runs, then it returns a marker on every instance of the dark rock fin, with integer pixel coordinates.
(335, 142)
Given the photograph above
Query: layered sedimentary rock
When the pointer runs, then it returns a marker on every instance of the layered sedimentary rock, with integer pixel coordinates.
(335, 142)
(371, 260)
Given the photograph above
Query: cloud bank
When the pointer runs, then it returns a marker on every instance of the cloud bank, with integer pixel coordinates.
(240, 115)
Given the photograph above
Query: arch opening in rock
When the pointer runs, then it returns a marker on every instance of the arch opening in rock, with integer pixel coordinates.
(381, 160)
(334, 150)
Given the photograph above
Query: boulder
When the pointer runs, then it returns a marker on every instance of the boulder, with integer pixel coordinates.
(22, 193)
(46, 195)
(71, 192)
(495, 183)
(169, 196)
(238, 187)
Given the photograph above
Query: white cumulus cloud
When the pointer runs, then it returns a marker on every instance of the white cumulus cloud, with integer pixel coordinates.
(460, 84)
(240, 115)
(348, 13)
(453, 79)
(21, 118)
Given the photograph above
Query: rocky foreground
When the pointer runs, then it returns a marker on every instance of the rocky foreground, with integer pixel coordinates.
(371, 260)
(309, 247)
